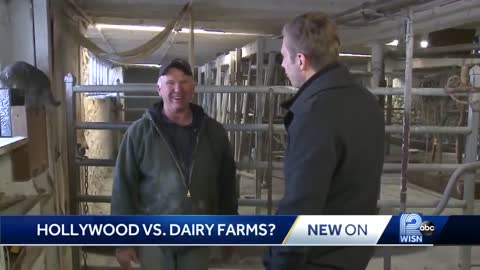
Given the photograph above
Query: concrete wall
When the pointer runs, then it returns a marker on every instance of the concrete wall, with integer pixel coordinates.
(101, 145)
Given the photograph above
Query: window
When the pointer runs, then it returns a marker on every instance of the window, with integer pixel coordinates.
(5, 114)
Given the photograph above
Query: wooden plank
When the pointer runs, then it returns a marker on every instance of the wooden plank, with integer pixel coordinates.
(9, 144)
(24, 205)
(8, 201)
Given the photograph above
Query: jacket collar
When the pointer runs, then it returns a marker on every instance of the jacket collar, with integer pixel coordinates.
(331, 76)
(155, 113)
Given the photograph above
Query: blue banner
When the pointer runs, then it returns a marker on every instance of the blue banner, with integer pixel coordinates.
(144, 230)
(405, 229)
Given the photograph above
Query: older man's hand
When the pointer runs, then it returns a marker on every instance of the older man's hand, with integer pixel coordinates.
(125, 257)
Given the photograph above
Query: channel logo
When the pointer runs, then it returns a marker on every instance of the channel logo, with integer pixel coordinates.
(413, 228)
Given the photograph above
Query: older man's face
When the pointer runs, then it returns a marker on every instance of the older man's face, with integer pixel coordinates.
(176, 89)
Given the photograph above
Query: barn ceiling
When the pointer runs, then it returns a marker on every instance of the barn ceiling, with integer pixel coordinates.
(265, 17)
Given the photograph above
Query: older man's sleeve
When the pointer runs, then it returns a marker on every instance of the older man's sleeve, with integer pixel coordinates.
(126, 178)
(228, 192)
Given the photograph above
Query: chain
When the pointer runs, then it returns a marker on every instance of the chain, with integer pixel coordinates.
(84, 256)
(85, 204)
(85, 187)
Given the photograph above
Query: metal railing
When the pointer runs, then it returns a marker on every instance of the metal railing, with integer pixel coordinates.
(471, 131)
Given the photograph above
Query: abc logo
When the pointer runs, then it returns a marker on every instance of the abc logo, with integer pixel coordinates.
(427, 228)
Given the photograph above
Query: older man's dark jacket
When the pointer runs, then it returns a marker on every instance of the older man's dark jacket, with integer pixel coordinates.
(333, 164)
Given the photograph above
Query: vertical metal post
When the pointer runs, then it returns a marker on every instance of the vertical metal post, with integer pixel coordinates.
(388, 121)
(270, 149)
(259, 117)
(238, 109)
(218, 96)
(471, 152)
(73, 170)
(378, 75)
(407, 107)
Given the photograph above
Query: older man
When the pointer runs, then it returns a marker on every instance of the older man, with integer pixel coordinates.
(334, 156)
(174, 160)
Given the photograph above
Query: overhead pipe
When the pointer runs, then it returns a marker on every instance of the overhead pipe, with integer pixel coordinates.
(407, 107)
(437, 50)
(379, 7)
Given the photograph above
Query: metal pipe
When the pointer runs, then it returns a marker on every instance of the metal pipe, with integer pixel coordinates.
(240, 165)
(451, 182)
(264, 202)
(415, 167)
(429, 129)
(471, 154)
(439, 92)
(279, 128)
(381, 91)
(381, 7)
(269, 150)
(438, 50)
(387, 167)
(418, 204)
(150, 89)
(407, 97)
(73, 172)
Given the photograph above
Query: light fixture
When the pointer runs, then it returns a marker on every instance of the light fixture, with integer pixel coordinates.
(150, 28)
(145, 65)
(424, 41)
(393, 43)
(355, 55)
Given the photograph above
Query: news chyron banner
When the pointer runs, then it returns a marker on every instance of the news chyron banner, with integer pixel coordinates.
(405, 229)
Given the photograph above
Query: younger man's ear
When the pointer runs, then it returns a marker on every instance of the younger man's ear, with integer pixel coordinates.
(302, 61)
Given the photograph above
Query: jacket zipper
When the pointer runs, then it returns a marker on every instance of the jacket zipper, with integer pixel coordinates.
(176, 161)
(193, 155)
(172, 155)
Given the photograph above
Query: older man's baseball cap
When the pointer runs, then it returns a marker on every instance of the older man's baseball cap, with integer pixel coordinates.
(177, 63)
